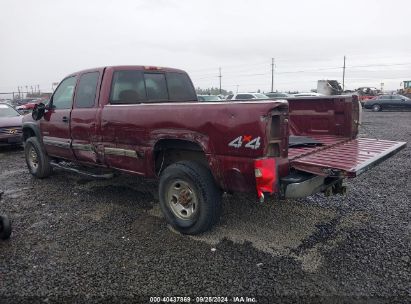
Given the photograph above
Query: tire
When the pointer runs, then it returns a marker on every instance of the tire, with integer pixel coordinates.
(189, 198)
(376, 108)
(37, 160)
(5, 227)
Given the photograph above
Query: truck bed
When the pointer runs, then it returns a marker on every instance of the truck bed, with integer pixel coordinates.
(332, 122)
(326, 140)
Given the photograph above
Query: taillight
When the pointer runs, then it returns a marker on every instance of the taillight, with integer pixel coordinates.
(266, 176)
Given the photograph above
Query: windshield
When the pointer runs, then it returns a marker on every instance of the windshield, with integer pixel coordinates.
(6, 111)
(261, 96)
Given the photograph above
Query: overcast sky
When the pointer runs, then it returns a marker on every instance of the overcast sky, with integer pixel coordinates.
(42, 41)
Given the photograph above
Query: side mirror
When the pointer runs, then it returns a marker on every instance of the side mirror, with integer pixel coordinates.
(403, 99)
(38, 111)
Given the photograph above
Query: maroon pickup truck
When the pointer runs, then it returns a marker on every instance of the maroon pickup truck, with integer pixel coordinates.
(147, 121)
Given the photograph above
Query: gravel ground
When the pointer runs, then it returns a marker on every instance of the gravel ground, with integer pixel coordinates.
(80, 240)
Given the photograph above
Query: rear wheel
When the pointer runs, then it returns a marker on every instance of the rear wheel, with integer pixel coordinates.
(376, 108)
(37, 160)
(189, 198)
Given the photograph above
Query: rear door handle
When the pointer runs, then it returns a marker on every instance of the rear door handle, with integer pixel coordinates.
(65, 119)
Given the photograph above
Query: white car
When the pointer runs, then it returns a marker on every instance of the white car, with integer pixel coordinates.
(246, 96)
(307, 94)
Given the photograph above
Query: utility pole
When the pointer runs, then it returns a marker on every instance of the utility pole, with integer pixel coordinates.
(219, 76)
(272, 74)
(237, 87)
(344, 74)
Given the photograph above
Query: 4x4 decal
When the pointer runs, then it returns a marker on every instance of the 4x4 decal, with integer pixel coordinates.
(247, 140)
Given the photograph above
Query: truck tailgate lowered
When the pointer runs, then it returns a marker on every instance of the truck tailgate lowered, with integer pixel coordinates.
(348, 158)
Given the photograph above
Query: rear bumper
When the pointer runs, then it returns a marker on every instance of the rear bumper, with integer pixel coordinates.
(304, 188)
(310, 185)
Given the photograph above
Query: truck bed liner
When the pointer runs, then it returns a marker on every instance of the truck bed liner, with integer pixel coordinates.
(326, 140)
(340, 155)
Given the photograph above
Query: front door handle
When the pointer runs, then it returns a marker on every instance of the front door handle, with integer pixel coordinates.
(65, 119)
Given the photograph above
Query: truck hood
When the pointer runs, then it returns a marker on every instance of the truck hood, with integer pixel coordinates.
(15, 121)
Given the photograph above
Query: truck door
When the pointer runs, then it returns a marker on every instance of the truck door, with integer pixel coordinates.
(55, 125)
(122, 129)
(84, 117)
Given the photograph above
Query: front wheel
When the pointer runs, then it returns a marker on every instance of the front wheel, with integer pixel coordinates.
(36, 158)
(189, 198)
(376, 108)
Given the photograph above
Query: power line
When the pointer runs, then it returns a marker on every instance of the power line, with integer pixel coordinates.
(312, 70)
(219, 69)
(272, 74)
(379, 65)
(247, 67)
(229, 66)
(343, 75)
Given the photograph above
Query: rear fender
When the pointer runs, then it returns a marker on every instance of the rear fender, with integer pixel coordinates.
(186, 140)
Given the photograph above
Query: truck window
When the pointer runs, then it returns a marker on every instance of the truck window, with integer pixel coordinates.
(63, 96)
(86, 90)
(156, 86)
(127, 87)
(130, 87)
(180, 87)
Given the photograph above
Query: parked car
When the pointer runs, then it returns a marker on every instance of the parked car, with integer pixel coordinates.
(278, 95)
(147, 121)
(8, 101)
(10, 125)
(246, 96)
(23, 101)
(28, 107)
(308, 94)
(208, 98)
(388, 102)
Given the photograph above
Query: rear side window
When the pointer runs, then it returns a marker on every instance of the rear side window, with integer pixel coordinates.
(180, 87)
(134, 86)
(156, 86)
(86, 90)
(127, 87)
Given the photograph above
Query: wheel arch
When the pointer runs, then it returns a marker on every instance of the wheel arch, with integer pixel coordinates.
(31, 130)
(167, 151)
